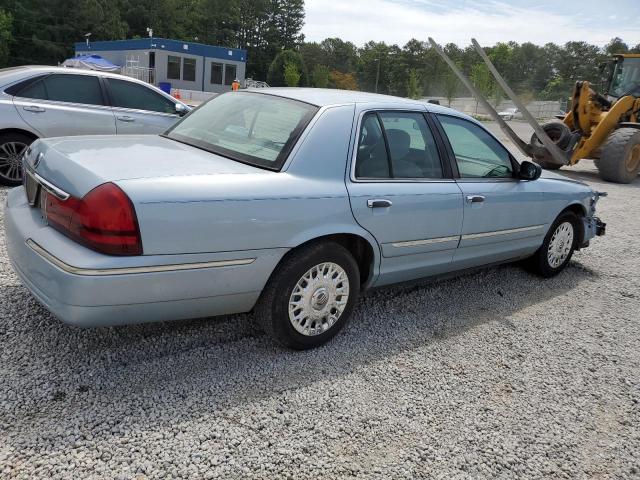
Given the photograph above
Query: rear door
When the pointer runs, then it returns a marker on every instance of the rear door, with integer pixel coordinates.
(504, 217)
(402, 192)
(62, 104)
(139, 109)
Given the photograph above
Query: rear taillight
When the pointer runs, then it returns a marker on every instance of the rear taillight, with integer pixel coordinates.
(103, 220)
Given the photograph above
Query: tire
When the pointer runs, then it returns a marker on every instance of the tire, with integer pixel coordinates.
(11, 147)
(620, 156)
(557, 131)
(560, 134)
(276, 309)
(557, 249)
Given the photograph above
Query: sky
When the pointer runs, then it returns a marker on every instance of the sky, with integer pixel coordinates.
(489, 21)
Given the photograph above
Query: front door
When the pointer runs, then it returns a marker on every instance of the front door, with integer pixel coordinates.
(139, 109)
(66, 104)
(503, 216)
(403, 194)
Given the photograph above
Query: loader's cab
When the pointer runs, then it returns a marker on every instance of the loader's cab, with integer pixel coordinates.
(624, 76)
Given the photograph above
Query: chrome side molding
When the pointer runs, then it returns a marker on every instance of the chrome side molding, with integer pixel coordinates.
(133, 270)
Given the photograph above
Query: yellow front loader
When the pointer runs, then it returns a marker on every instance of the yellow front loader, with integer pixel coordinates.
(605, 128)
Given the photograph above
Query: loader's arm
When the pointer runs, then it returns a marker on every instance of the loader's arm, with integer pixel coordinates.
(557, 155)
(525, 148)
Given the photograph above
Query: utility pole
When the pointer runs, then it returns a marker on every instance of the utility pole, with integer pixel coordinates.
(377, 73)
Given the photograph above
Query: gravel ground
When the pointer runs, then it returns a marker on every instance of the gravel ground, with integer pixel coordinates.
(493, 374)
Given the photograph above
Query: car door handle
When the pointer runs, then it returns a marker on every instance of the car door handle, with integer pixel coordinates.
(379, 203)
(126, 119)
(34, 109)
(475, 199)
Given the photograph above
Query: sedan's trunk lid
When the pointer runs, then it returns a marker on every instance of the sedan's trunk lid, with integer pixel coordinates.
(79, 164)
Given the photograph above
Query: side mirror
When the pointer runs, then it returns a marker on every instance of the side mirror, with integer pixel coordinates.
(181, 110)
(530, 171)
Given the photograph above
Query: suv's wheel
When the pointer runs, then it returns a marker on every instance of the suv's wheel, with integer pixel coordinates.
(310, 296)
(558, 246)
(12, 145)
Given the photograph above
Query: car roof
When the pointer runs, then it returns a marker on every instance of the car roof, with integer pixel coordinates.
(31, 69)
(325, 97)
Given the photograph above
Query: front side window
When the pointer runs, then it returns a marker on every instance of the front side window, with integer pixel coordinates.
(230, 72)
(83, 89)
(253, 128)
(173, 67)
(397, 145)
(216, 73)
(478, 154)
(126, 94)
(189, 69)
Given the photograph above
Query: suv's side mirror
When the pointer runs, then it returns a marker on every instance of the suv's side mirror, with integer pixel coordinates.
(530, 171)
(181, 110)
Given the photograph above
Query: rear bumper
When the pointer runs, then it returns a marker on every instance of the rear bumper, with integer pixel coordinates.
(88, 289)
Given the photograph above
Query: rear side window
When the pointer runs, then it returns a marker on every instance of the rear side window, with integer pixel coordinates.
(397, 145)
(83, 89)
(33, 90)
(17, 88)
(74, 89)
(138, 97)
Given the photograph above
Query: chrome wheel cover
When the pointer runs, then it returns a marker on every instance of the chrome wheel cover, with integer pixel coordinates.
(11, 160)
(318, 299)
(560, 244)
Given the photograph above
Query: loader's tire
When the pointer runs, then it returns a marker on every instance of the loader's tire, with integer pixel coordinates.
(560, 134)
(620, 156)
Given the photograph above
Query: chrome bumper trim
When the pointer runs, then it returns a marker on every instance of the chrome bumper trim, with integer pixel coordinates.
(132, 270)
(426, 241)
(472, 236)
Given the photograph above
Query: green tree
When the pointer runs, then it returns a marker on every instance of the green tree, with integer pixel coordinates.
(413, 85)
(482, 80)
(275, 76)
(450, 84)
(320, 76)
(616, 45)
(291, 75)
(6, 22)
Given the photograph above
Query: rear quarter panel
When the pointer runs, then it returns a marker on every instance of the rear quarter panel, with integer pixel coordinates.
(215, 213)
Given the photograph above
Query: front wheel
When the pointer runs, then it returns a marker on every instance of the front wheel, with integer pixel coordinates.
(558, 246)
(310, 296)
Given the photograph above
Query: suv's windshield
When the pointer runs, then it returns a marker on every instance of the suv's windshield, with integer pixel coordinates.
(626, 78)
(254, 128)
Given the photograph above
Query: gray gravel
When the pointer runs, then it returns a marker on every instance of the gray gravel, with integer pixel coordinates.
(494, 374)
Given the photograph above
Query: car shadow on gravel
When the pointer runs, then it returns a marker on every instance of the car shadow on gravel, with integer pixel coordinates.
(56, 373)
(593, 177)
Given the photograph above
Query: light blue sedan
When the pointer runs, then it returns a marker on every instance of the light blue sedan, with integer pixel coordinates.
(287, 202)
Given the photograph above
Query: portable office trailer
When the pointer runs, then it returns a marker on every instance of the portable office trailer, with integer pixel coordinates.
(185, 65)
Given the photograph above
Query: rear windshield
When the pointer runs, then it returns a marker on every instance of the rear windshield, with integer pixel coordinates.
(253, 128)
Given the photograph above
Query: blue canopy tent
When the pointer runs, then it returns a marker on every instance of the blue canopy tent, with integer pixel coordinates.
(91, 62)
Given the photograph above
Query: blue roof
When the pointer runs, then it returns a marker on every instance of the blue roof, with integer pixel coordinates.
(178, 46)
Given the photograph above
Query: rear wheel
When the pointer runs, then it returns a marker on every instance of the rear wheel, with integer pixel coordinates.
(620, 156)
(558, 246)
(12, 146)
(310, 296)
